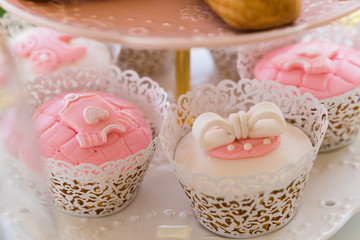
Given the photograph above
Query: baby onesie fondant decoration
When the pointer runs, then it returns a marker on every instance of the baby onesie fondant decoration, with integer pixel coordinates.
(46, 49)
(92, 118)
(243, 135)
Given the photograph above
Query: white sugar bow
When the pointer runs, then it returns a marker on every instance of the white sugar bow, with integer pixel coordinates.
(264, 119)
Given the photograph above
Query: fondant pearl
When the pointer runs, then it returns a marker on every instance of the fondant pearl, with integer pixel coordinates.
(266, 141)
(247, 146)
(44, 58)
(230, 147)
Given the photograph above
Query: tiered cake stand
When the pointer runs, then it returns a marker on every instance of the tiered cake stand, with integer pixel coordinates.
(161, 211)
(179, 24)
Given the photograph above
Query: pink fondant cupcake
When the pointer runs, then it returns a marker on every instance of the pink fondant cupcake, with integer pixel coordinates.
(243, 152)
(96, 144)
(330, 72)
(93, 129)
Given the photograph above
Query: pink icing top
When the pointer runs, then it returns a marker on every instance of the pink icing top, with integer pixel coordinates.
(320, 67)
(46, 49)
(93, 127)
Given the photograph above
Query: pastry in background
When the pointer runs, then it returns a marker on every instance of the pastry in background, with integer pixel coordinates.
(256, 14)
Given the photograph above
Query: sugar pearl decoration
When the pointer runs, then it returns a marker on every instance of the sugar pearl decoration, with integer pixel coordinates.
(266, 141)
(43, 57)
(230, 147)
(247, 146)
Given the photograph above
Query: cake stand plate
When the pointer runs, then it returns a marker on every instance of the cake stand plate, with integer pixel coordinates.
(161, 210)
(163, 23)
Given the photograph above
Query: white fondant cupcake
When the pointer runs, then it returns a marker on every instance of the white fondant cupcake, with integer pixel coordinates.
(244, 176)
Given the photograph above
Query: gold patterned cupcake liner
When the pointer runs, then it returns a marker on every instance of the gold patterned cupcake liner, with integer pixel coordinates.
(344, 120)
(249, 216)
(91, 191)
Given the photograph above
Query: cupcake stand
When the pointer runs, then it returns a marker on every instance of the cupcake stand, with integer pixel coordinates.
(161, 210)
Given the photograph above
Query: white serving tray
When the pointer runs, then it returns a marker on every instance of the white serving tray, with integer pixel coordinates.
(162, 211)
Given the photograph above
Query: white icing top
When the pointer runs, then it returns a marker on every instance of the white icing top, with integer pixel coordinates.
(294, 144)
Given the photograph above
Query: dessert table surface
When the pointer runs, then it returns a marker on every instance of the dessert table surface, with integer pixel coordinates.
(161, 210)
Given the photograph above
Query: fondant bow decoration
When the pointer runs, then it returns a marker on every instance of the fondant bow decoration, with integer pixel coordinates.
(263, 120)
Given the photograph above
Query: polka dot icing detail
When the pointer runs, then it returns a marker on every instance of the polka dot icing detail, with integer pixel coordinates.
(230, 147)
(247, 146)
(266, 141)
(328, 71)
(242, 150)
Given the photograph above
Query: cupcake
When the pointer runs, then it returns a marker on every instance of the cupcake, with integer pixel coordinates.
(146, 62)
(93, 128)
(225, 62)
(97, 131)
(329, 71)
(43, 50)
(243, 152)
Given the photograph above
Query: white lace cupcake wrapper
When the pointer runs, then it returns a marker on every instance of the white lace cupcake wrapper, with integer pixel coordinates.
(252, 205)
(92, 191)
(86, 189)
(249, 216)
(344, 120)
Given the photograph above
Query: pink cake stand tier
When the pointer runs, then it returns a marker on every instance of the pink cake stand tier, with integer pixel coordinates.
(163, 23)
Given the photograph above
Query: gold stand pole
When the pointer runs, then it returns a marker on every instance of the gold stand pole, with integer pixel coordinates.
(182, 68)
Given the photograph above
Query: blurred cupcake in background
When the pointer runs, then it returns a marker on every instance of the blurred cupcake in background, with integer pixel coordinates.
(146, 62)
(42, 50)
(329, 71)
(225, 62)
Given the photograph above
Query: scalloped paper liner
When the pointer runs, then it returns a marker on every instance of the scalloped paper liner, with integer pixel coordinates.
(245, 206)
(344, 120)
(97, 195)
(86, 189)
(250, 216)
(343, 110)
